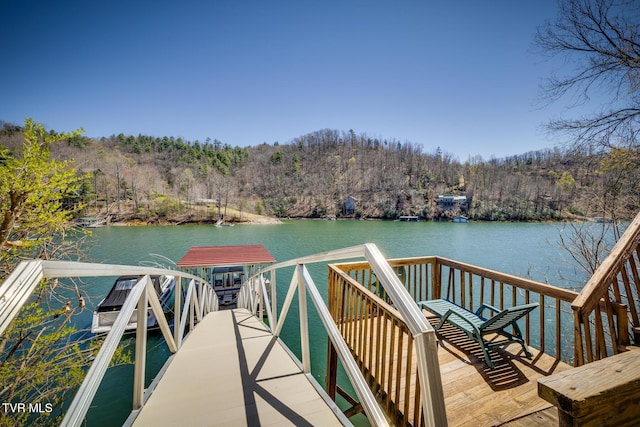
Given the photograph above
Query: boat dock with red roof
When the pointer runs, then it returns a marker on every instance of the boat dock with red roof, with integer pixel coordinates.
(225, 267)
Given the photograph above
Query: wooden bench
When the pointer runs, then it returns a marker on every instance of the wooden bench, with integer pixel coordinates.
(476, 326)
(602, 393)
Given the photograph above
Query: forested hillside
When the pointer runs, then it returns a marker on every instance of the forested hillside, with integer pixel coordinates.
(168, 179)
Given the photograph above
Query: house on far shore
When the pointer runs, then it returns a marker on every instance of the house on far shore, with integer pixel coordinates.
(449, 202)
(349, 206)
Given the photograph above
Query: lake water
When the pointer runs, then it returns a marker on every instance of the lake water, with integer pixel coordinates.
(523, 249)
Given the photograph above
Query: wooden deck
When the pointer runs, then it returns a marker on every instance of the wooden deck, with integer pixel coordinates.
(475, 395)
(231, 371)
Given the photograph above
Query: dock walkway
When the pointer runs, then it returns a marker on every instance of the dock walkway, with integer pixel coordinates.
(231, 371)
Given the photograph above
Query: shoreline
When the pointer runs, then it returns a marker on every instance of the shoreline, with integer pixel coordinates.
(140, 223)
(127, 220)
(276, 221)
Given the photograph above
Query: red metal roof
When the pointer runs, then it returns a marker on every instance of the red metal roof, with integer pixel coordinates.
(206, 256)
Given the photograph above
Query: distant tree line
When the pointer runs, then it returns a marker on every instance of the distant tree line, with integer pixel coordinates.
(159, 178)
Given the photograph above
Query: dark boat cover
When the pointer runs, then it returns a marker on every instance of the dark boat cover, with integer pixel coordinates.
(120, 290)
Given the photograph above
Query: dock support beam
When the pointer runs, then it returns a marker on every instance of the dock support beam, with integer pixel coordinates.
(304, 321)
(141, 348)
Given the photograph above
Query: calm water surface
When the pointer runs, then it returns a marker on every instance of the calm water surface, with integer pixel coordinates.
(523, 249)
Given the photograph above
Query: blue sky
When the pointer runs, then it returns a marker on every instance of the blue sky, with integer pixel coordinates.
(458, 75)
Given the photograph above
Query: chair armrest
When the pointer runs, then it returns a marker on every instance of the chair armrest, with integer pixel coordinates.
(450, 312)
(490, 307)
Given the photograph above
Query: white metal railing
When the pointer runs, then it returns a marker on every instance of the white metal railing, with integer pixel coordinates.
(254, 296)
(200, 299)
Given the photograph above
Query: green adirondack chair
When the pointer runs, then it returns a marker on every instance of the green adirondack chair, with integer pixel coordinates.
(476, 326)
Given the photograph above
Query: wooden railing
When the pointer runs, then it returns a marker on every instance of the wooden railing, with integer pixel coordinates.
(382, 344)
(548, 329)
(380, 341)
(607, 310)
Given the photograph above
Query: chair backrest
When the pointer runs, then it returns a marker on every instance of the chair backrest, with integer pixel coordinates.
(506, 317)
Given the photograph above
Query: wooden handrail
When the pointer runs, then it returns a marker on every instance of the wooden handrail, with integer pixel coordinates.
(423, 334)
(519, 282)
(365, 314)
(596, 287)
(377, 336)
(607, 309)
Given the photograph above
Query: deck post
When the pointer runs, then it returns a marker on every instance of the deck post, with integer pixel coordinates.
(332, 355)
(622, 324)
(578, 354)
(332, 371)
(141, 346)
(436, 278)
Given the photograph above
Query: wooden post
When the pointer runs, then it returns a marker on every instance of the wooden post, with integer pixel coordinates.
(436, 284)
(332, 371)
(623, 325)
(577, 335)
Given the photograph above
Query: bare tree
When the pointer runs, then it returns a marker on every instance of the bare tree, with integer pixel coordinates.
(601, 39)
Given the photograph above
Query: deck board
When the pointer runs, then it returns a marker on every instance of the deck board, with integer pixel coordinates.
(230, 371)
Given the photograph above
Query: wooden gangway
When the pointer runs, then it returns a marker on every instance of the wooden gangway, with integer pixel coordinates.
(233, 366)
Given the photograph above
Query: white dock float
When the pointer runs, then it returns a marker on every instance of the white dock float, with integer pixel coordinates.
(231, 371)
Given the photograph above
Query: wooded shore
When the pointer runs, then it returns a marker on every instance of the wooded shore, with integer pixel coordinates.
(313, 176)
